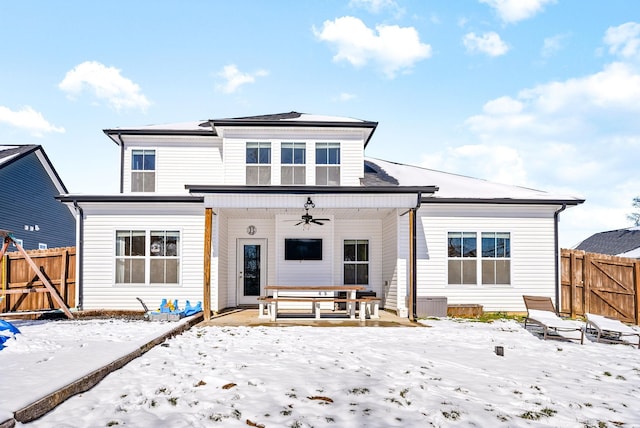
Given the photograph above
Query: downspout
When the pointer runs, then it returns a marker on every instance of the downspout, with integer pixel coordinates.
(556, 242)
(121, 163)
(80, 255)
(413, 259)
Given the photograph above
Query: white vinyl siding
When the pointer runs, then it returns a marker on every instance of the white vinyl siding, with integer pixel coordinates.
(532, 252)
(390, 259)
(184, 161)
(100, 225)
(351, 151)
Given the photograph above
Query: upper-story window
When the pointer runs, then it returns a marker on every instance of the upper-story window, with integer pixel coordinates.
(258, 163)
(293, 158)
(328, 164)
(143, 171)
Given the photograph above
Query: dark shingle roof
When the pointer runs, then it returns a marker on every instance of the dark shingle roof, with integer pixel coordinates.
(376, 176)
(6, 151)
(612, 242)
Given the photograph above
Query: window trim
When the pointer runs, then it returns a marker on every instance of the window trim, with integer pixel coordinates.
(479, 258)
(357, 262)
(143, 171)
(328, 165)
(147, 257)
(293, 165)
(258, 164)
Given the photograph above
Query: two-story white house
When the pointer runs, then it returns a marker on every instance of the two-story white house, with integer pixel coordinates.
(225, 207)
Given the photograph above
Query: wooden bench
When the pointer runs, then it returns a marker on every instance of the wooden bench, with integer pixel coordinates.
(366, 305)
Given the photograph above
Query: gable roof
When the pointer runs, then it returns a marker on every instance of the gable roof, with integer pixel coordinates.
(456, 188)
(209, 127)
(10, 154)
(620, 242)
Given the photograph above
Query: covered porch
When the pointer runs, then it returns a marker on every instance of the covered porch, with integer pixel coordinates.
(362, 236)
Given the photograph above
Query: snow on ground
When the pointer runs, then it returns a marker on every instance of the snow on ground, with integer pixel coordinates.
(446, 375)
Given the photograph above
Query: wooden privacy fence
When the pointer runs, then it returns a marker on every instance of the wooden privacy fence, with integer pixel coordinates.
(600, 284)
(22, 290)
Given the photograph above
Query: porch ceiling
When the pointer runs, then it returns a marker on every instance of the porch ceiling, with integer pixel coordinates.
(338, 214)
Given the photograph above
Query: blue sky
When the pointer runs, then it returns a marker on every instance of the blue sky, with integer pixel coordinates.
(539, 93)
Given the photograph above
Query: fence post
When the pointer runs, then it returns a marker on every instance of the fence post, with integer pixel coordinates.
(636, 290)
(572, 283)
(586, 283)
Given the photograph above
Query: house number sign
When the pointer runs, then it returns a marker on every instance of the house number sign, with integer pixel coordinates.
(251, 230)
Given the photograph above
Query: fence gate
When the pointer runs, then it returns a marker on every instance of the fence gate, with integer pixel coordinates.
(600, 284)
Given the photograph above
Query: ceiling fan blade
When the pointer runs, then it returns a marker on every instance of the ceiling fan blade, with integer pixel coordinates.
(322, 219)
(317, 222)
(299, 223)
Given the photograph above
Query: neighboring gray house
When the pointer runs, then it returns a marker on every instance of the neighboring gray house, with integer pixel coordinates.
(620, 242)
(29, 209)
(294, 201)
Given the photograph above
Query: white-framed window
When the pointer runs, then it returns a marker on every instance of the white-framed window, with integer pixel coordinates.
(462, 263)
(42, 246)
(328, 164)
(147, 257)
(293, 160)
(496, 258)
(143, 171)
(492, 264)
(356, 261)
(18, 241)
(258, 160)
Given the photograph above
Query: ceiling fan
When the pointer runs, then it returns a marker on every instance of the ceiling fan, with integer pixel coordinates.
(307, 218)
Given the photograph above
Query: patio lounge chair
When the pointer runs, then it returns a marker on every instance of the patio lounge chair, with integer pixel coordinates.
(541, 312)
(610, 330)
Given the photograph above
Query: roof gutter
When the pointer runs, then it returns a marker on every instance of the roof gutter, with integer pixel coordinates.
(556, 241)
(502, 201)
(413, 262)
(121, 163)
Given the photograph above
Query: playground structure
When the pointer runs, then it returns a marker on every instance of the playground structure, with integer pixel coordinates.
(7, 238)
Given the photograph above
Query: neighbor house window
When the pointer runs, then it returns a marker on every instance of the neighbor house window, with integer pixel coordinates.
(42, 246)
(143, 171)
(147, 257)
(496, 258)
(328, 164)
(356, 261)
(258, 160)
(293, 159)
(462, 264)
(130, 256)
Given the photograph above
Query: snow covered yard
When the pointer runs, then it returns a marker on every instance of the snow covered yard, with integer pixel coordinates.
(446, 375)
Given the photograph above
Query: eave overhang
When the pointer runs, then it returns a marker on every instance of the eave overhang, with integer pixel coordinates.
(501, 201)
(130, 198)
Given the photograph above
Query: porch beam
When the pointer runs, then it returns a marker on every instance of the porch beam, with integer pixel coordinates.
(206, 289)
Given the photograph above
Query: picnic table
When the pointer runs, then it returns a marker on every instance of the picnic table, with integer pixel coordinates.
(316, 295)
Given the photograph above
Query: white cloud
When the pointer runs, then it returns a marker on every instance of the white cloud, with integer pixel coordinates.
(375, 6)
(552, 44)
(28, 119)
(577, 135)
(511, 11)
(391, 47)
(624, 40)
(344, 97)
(235, 78)
(106, 83)
(489, 43)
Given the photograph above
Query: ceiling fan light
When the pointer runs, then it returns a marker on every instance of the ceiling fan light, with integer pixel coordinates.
(306, 226)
